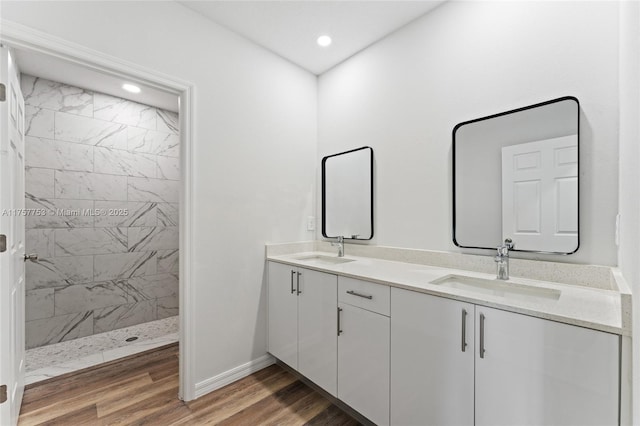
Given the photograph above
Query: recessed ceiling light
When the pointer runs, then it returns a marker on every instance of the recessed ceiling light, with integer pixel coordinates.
(324, 40)
(131, 88)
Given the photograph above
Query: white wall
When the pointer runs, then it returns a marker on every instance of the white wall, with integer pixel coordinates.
(402, 96)
(255, 114)
(629, 252)
(465, 60)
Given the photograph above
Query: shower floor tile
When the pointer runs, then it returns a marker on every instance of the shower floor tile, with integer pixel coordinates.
(54, 360)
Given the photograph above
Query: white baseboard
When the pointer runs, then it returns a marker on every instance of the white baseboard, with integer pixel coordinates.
(230, 376)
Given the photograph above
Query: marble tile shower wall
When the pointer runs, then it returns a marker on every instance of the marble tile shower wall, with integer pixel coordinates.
(103, 175)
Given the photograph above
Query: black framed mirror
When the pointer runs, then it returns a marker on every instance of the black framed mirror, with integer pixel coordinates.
(516, 175)
(347, 194)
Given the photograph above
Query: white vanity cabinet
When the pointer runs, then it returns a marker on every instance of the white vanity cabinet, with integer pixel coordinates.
(540, 372)
(283, 313)
(432, 356)
(303, 322)
(363, 348)
(514, 369)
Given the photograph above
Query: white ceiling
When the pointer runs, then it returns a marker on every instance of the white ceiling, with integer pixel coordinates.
(287, 27)
(290, 28)
(62, 71)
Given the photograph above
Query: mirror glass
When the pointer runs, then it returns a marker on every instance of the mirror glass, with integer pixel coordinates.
(515, 175)
(347, 194)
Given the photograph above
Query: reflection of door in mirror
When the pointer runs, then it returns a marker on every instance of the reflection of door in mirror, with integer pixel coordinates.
(539, 194)
(515, 175)
(347, 194)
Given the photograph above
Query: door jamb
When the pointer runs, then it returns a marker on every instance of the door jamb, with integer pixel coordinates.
(26, 38)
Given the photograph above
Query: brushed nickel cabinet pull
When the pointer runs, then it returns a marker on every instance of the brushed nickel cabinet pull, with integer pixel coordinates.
(366, 296)
(464, 330)
(293, 290)
(482, 336)
(339, 330)
(298, 283)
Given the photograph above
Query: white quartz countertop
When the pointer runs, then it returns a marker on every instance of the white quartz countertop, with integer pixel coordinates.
(581, 306)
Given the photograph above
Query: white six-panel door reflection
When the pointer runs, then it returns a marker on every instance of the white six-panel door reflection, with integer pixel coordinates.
(540, 194)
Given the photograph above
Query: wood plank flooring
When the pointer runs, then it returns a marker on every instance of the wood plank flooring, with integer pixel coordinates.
(143, 389)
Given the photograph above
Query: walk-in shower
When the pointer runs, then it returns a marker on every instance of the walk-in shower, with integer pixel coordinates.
(102, 186)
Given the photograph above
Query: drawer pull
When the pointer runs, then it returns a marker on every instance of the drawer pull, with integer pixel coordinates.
(366, 296)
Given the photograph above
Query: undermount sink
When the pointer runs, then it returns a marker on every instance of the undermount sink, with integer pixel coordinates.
(497, 288)
(331, 260)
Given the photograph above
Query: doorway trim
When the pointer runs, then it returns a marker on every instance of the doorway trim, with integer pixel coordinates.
(26, 38)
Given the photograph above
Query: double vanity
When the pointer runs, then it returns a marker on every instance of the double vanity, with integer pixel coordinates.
(413, 337)
(414, 344)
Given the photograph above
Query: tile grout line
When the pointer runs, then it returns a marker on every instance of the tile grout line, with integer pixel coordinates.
(55, 116)
(170, 334)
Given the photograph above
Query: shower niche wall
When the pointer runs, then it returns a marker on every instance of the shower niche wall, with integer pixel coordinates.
(102, 186)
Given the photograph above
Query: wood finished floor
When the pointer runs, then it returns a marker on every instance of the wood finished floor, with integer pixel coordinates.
(143, 389)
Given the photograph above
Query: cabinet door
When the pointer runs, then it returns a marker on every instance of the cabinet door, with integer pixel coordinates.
(317, 328)
(539, 372)
(283, 313)
(363, 362)
(431, 372)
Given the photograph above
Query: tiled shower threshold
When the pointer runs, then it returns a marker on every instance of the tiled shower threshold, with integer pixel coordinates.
(65, 357)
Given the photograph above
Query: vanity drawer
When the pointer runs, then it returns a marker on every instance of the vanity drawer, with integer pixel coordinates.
(370, 296)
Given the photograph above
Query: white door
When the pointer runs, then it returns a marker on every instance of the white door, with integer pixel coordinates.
(318, 328)
(431, 360)
(12, 256)
(540, 194)
(283, 313)
(363, 362)
(540, 372)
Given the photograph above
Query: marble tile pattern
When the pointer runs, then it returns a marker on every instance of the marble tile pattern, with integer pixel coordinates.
(52, 154)
(55, 96)
(114, 317)
(168, 214)
(153, 142)
(158, 190)
(38, 122)
(39, 182)
(41, 241)
(78, 242)
(61, 358)
(125, 265)
(152, 238)
(103, 174)
(89, 131)
(167, 261)
(168, 167)
(39, 304)
(89, 186)
(64, 213)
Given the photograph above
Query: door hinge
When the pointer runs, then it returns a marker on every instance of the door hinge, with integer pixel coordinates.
(3, 394)
(3, 92)
(3, 243)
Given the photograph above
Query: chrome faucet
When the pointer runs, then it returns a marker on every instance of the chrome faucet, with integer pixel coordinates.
(502, 259)
(340, 244)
